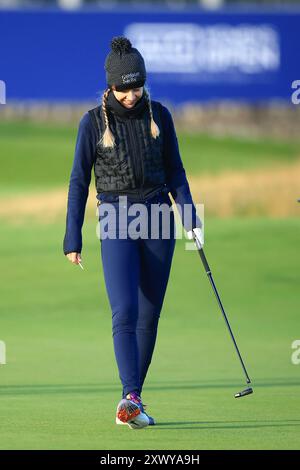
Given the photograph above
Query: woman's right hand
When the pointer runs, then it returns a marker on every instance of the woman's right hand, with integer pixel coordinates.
(74, 257)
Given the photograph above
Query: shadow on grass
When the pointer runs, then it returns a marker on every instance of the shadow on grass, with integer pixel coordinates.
(40, 389)
(252, 424)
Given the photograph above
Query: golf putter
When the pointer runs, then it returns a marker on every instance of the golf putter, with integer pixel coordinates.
(248, 390)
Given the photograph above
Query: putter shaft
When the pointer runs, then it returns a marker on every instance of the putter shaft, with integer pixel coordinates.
(209, 274)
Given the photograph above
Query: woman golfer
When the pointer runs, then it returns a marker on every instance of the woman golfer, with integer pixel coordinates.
(131, 142)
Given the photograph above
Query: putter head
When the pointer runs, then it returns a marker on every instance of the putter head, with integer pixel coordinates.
(243, 393)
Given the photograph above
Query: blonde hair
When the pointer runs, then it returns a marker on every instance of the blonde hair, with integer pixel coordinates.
(107, 139)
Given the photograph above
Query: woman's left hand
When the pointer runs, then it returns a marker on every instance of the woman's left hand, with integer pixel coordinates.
(198, 233)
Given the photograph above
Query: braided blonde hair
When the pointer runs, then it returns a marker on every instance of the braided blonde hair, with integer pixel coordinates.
(107, 139)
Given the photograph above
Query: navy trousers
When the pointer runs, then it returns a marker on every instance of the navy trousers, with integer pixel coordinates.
(136, 273)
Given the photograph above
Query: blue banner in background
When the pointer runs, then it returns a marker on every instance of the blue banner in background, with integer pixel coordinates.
(190, 55)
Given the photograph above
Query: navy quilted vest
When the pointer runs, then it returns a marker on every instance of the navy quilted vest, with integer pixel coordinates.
(136, 161)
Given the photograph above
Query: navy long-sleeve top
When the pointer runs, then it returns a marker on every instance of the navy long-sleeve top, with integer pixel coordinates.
(84, 159)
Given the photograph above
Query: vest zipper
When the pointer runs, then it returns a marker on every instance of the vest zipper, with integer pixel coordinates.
(137, 160)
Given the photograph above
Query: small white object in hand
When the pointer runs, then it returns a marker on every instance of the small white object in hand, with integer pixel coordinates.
(80, 265)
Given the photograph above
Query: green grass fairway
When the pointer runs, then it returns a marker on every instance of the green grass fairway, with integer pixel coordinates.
(60, 386)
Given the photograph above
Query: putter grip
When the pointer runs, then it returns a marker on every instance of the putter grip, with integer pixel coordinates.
(204, 261)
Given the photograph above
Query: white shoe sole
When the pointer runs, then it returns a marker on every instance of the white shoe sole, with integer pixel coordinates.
(125, 409)
(118, 421)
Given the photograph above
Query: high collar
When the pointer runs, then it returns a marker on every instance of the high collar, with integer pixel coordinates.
(117, 108)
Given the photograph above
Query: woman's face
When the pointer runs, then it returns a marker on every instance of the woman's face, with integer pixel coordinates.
(128, 98)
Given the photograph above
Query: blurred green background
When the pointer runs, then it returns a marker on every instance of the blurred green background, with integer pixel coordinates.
(60, 386)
